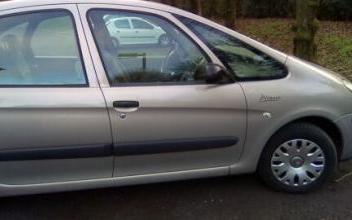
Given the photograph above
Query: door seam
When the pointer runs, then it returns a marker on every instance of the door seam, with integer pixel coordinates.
(100, 88)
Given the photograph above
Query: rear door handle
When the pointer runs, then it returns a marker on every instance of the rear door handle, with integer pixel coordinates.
(126, 104)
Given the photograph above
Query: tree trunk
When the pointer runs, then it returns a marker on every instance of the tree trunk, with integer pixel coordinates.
(182, 4)
(199, 7)
(168, 2)
(196, 7)
(231, 13)
(306, 28)
(173, 3)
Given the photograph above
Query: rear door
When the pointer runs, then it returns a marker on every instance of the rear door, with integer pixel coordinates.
(164, 117)
(54, 125)
(144, 32)
(121, 29)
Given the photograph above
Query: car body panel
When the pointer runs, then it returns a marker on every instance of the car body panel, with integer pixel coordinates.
(195, 111)
(13, 190)
(258, 108)
(191, 114)
(345, 125)
(287, 104)
(52, 118)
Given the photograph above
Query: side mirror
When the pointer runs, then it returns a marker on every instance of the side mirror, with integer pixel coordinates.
(216, 74)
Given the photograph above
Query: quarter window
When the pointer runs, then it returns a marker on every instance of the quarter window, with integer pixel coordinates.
(162, 55)
(40, 49)
(245, 61)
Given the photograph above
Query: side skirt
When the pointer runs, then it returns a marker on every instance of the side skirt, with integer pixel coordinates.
(13, 190)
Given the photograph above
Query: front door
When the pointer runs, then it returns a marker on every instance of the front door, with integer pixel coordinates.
(54, 126)
(144, 32)
(165, 118)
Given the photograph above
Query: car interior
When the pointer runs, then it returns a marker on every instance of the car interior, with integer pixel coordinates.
(26, 53)
(147, 63)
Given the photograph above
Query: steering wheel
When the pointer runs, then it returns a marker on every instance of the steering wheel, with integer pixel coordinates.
(176, 57)
(167, 59)
(195, 73)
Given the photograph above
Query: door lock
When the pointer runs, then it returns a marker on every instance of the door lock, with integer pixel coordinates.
(123, 115)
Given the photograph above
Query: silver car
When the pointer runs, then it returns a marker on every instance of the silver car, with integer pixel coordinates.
(78, 111)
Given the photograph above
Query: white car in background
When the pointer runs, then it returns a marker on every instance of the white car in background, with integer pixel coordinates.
(134, 30)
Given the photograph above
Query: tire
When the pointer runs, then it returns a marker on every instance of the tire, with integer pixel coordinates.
(164, 40)
(312, 159)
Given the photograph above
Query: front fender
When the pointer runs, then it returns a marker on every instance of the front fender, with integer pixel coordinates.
(260, 129)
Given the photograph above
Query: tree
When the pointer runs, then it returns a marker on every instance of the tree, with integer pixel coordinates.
(306, 28)
(196, 7)
(230, 13)
(199, 7)
(335, 9)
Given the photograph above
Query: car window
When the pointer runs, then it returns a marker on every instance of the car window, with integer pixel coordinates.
(245, 61)
(122, 24)
(40, 49)
(165, 55)
(17, 30)
(53, 30)
(138, 24)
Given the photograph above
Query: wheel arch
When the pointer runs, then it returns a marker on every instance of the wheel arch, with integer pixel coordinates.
(324, 123)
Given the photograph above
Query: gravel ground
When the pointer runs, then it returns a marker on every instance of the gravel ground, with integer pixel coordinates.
(238, 197)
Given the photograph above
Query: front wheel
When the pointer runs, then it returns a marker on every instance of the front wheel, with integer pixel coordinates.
(298, 159)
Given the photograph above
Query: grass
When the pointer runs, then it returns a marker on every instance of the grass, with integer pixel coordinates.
(334, 40)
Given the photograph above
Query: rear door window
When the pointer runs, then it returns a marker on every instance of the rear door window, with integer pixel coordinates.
(40, 49)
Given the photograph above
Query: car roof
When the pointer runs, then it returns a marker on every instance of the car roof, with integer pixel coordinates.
(13, 4)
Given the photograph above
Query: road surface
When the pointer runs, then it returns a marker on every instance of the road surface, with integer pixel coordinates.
(238, 197)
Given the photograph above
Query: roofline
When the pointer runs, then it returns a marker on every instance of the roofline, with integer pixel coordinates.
(17, 4)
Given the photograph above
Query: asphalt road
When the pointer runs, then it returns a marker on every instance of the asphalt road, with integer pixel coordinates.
(238, 197)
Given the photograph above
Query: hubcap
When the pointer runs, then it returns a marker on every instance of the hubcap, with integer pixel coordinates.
(298, 162)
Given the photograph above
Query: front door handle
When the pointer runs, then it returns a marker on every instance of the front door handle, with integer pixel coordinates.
(126, 104)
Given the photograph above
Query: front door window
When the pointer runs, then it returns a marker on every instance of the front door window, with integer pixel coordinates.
(154, 52)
